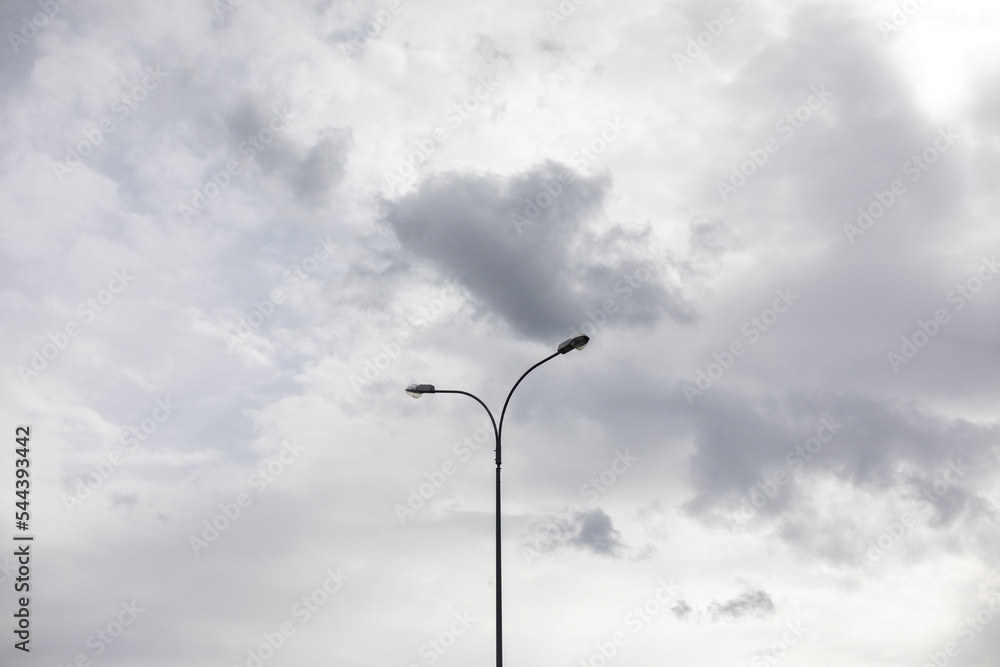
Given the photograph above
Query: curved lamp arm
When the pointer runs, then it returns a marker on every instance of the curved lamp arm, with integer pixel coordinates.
(504, 411)
(496, 433)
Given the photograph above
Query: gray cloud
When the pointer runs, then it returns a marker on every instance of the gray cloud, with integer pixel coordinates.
(588, 530)
(741, 443)
(597, 533)
(752, 603)
(682, 609)
(323, 167)
(545, 279)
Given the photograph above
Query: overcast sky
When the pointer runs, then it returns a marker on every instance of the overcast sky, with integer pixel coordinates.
(234, 231)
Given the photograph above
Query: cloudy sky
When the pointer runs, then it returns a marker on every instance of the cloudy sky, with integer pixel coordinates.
(234, 230)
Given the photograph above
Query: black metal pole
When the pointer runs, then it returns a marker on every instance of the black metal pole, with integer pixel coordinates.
(499, 603)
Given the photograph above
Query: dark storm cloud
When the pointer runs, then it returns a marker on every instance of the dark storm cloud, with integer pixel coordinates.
(757, 458)
(544, 271)
(742, 443)
(597, 534)
(751, 603)
(590, 530)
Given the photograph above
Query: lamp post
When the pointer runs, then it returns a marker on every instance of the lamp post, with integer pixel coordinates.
(418, 390)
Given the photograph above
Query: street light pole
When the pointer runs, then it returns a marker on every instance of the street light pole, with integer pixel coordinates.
(417, 390)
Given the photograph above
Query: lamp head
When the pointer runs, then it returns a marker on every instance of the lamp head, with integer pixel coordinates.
(574, 343)
(418, 390)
